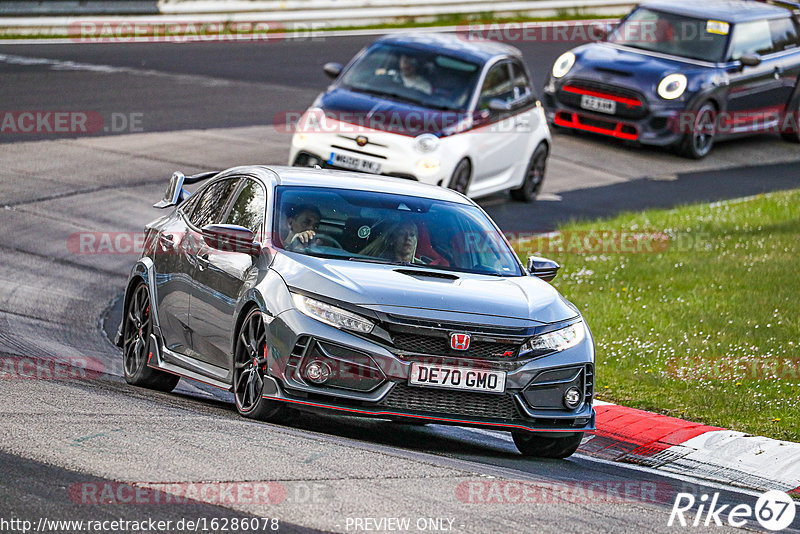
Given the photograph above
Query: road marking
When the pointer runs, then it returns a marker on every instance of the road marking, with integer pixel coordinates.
(62, 65)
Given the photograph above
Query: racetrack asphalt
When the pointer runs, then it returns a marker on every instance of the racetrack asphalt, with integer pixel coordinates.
(208, 107)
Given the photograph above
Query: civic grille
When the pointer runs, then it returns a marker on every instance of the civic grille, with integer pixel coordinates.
(624, 110)
(440, 346)
(446, 402)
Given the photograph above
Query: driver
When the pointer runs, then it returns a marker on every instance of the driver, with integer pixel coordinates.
(303, 222)
(410, 77)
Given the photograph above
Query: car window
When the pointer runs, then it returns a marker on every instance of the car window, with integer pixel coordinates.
(248, 208)
(210, 205)
(520, 81)
(497, 85)
(377, 227)
(674, 34)
(422, 77)
(751, 38)
(784, 34)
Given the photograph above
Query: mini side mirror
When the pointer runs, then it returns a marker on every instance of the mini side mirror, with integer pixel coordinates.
(750, 60)
(542, 268)
(332, 69)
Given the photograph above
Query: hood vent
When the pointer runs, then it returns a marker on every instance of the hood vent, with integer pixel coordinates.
(615, 72)
(427, 274)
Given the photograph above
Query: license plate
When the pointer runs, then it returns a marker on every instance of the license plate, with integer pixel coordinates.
(445, 376)
(353, 163)
(598, 104)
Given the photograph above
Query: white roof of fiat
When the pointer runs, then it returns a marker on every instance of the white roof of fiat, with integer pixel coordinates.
(310, 177)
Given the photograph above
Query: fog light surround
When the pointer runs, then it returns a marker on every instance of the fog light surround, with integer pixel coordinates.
(317, 372)
(573, 398)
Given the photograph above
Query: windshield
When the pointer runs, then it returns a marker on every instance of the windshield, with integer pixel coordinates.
(416, 76)
(387, 228)
(673, 34)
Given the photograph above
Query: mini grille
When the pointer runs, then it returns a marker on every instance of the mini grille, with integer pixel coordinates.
(623, 110)
(440, 346)
(446, 402)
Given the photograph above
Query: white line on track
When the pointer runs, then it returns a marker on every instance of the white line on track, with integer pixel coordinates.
(62, 65)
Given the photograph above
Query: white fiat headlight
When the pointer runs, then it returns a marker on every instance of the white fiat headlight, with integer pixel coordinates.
(332, 315)
(563, 64)
(672, 86)
(426, 143)
(555, 341)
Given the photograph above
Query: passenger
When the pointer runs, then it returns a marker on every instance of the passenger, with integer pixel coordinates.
(302, 222)
(398, 243)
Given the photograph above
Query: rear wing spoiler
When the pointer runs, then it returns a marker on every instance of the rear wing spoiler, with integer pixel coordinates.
(175, 193)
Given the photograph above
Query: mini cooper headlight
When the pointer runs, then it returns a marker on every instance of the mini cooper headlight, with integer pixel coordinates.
(426, 143)
(563, 64)
(555, 341)
(672, 86)
(332, 315)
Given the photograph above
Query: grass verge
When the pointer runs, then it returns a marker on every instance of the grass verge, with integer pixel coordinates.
(702, 320)
(232, 31)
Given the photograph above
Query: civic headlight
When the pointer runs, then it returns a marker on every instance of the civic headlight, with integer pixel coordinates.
(426, 143)
(672, 86)
(555, 341)
(563, 64)
(332, 315)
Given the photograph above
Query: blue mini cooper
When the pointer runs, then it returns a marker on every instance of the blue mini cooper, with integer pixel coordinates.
(684, 75)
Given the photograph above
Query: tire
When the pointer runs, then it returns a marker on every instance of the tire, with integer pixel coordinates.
(793, 136)
(461, 177)
(136, 336)
(698, 143)
(534, 176)
(542, 446)
(249, 369)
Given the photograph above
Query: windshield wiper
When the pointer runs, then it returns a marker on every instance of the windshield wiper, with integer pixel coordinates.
(396, 96)
(384, 261)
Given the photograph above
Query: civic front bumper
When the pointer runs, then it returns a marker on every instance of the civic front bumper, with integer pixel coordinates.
(372, 381)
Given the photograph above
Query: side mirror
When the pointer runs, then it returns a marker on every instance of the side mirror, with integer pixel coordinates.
(542, 268)
(231, 238)
(750, 60)
(496, 104)
(332, 69)
(601, 31)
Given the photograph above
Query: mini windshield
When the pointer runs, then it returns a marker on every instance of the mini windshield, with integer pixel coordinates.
(388, 228)
(415, 76)
(673, 34)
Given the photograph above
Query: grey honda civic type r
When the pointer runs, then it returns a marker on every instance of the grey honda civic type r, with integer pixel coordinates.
(329, 291)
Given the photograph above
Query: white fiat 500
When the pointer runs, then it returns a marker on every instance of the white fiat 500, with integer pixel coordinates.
(439, 109)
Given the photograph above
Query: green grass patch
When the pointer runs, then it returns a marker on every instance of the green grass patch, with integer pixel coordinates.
(703, 321)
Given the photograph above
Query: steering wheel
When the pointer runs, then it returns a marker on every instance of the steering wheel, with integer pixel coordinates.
(321, 239)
